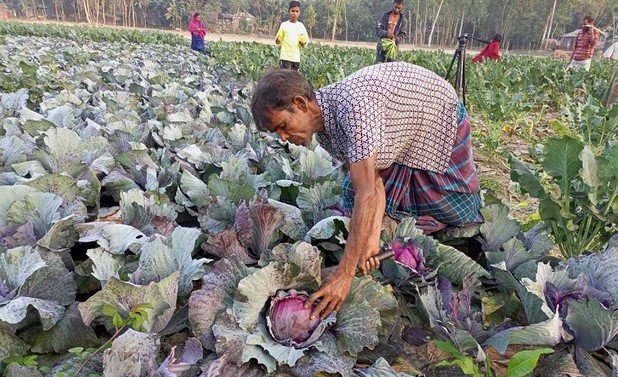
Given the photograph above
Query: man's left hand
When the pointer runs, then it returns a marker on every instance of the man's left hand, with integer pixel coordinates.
(332, 294)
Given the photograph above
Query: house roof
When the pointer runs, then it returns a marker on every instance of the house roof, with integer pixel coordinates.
(575, 32)
(243, 14)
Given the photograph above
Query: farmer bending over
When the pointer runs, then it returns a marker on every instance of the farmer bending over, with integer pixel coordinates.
(404, 138)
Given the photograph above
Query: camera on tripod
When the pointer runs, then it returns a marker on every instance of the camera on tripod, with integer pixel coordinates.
(463, 39)
(460, 57)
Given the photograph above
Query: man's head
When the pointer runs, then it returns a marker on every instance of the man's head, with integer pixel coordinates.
(497, 38)
(294, 10)
(284, 102)
(397, 6)
(588, 22)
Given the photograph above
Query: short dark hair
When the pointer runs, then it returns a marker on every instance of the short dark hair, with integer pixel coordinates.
(276, 91)
(497, 37)
(293, 3)
(588, 18)
(398, 2)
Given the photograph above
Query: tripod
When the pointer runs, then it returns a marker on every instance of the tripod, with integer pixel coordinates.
(460, 72)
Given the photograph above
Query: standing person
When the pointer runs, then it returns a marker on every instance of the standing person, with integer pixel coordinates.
(404, 137)
(292, 35)
(198, 31)
(584, 45)
(392, 27)
(491, 51)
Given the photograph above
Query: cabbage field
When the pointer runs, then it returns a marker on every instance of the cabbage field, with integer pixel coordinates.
(148, 229)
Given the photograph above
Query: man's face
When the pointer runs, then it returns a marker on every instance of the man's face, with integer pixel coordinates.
(294, 14)
(293, 126)
(397, 8)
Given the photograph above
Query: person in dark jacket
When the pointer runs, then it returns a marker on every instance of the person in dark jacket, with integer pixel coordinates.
(393, 25)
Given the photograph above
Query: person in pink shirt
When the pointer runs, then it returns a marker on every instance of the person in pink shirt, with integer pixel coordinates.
(198, 31)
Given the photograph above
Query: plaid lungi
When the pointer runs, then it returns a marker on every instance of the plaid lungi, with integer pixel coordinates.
(436, 200)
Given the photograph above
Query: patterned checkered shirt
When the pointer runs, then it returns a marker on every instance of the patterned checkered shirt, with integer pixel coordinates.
(584, 44)
(397, 112)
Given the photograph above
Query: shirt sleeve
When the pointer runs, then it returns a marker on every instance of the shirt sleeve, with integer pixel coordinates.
(362, 121)
(281, 32)
(304, 36)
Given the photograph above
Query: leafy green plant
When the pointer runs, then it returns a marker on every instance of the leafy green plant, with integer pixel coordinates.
(521, 364)
(467, 363)
(524, 362)
(597, 124)
(577, 192)
(135, 319)
(89, 33)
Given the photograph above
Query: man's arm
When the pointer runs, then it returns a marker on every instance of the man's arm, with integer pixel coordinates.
(304, 36)
(361, 240)
(373, 249)
(594, 36)
(382, 28)
(280, 34)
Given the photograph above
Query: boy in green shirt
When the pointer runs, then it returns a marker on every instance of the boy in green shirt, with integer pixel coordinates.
(292, 35)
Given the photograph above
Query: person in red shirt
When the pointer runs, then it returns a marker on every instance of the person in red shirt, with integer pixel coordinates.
(584, 45)
(491, 51)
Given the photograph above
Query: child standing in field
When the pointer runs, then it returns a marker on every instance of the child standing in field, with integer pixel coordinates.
(292, 35)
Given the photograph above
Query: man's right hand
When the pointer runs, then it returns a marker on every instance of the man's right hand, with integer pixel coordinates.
(390, 35)
(331, 294)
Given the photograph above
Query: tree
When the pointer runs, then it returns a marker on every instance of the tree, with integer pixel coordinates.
(433, 25)
(309, 18)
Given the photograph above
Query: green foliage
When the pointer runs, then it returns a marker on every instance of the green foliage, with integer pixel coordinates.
(577, 192)
(28, 361)
(521, 364)
(524, 362)
(89, 33)
(466, 363)
(135, 318)
(597, 124)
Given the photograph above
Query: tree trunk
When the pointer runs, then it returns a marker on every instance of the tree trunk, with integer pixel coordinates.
(104, 12)
(86, 8)
(409, 26)
(345, 19)
(417, 18)
(435, 20)
(424, 28)
(335, 16)
(551, 22)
